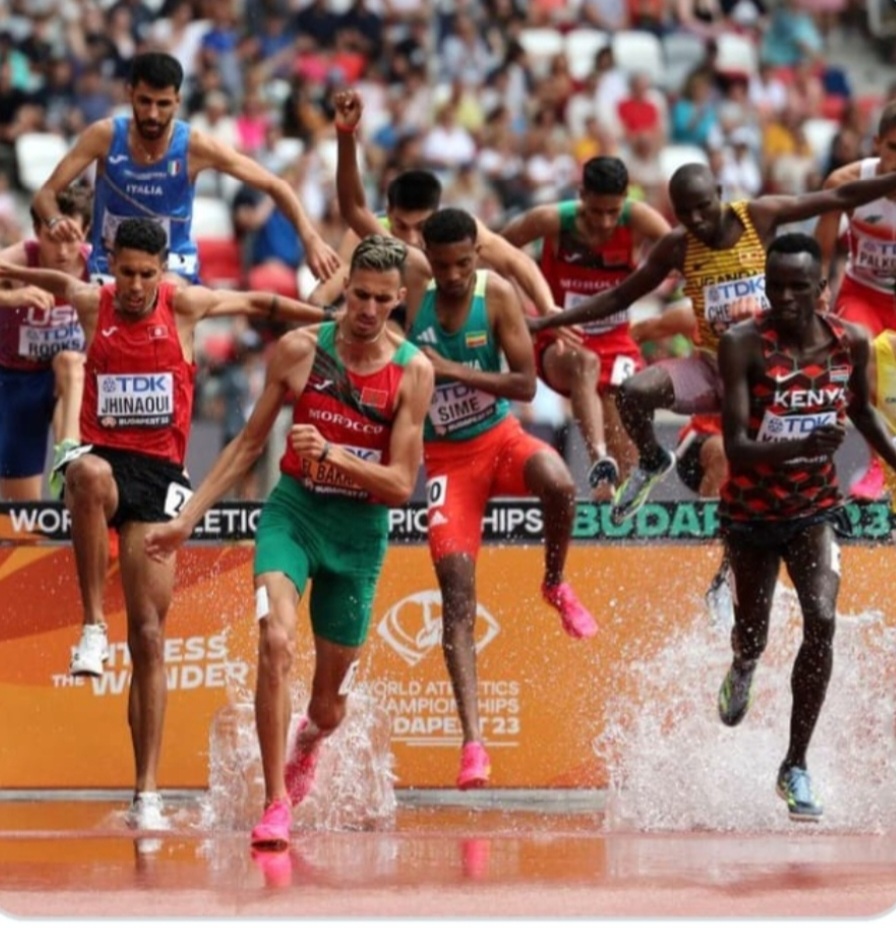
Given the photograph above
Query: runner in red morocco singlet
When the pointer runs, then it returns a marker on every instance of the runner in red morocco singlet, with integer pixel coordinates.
(587, 246)
(361, 392)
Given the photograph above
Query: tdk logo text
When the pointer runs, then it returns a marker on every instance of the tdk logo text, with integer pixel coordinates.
(137, 383)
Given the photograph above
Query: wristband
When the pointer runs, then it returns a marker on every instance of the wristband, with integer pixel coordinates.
(325, 452)
(330, 311)
(344, 127)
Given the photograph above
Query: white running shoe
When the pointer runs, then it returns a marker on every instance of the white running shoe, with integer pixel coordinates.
(145, 813)
(90, 654)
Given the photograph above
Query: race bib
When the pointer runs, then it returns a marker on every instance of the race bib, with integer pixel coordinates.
(44, 344)
(135, 400)
(456, 406)
(877, 257)
(324, 477)
(44, 333)
(596, 327)
(719, 298)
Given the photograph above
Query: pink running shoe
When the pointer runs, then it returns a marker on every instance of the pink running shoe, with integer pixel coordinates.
(871, 484)
(475, 767)
(273, 829)
(577, 620)
(300, 767)
(275, 865)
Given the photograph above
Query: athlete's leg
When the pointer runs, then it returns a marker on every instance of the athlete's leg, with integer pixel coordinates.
(457, 582)
(148, 586)
(68, 368)
(755, 571)
(91, 496)
(813, 562)
(276, 613)
(329, 689)
(574, 372)
(637, 400)
(714, 465)
(547, 477)
(619, 446)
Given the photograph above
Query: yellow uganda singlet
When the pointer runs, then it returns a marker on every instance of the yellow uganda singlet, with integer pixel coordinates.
(885, 395)
(716, 278)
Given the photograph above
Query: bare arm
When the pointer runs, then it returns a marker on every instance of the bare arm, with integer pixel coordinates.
(350, 189)
(207, 152)
(677, 320)
(204, 303)
(861, 411)
(506, 316)
(394, 482)
(289, 367)
(516, 265)
(827, 230)
(540, 222)
(12, 296)
(91, 145)
(329, 291)
(61, 285)
(768, 212)
(664, 258)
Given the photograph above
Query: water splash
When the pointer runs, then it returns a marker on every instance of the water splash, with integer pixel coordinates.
(674, 766)
(353, 789)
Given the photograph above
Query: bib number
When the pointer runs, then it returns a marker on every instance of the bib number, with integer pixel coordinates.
(175, 499)
(436, 492)
(623, 368)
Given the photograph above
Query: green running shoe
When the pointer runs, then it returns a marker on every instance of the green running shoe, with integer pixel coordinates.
(795, 788)
(57, 477)
(632, 495)
(735, 694)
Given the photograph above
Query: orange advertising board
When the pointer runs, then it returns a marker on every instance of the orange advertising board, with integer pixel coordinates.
(540, 691)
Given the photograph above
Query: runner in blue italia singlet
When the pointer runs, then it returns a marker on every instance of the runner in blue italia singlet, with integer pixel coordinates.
(146, 164)
(161, 190)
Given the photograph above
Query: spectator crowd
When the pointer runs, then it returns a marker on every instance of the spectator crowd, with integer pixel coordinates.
(503, 99)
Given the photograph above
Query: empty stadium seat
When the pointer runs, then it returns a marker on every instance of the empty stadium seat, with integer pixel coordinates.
(37, 154)
(581, 46)
(641, 52)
